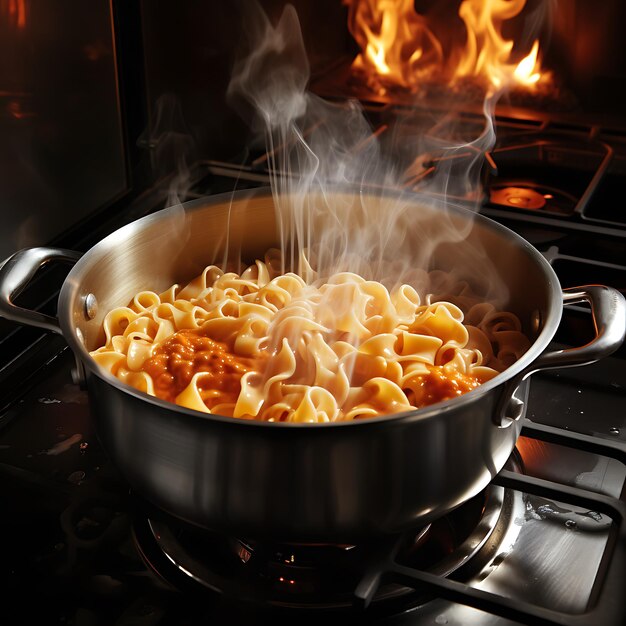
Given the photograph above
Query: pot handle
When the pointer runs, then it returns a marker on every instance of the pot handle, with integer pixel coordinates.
(16, 273)
(608, 309)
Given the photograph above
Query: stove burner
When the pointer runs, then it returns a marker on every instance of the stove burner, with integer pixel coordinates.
(519, 197)
(531, 197)
(314, 576)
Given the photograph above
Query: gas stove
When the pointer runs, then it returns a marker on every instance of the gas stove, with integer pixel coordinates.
(544, 544)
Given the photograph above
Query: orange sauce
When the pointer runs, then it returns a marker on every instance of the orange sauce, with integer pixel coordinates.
(441, 384)
(188, 352)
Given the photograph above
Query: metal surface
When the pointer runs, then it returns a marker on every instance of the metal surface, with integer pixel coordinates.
(15, 274)
(610, 608)
(297, 482)
(91, 306)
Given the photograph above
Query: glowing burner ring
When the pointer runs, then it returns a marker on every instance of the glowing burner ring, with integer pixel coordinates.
(531, 196)
(518, 197)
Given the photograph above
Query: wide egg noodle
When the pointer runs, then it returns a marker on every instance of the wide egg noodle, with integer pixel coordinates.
(340, 349)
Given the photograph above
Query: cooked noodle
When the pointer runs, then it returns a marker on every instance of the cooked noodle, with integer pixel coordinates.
(274, 348)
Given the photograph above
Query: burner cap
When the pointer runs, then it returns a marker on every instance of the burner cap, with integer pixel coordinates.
(519, 197)
(531, 197)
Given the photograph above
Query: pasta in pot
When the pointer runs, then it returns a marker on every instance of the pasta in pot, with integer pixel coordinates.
(274, 348)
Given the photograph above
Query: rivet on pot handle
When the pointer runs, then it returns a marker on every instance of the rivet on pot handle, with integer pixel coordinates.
(608, 309)
(16, 273)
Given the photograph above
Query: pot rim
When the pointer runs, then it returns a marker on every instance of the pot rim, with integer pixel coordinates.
(551, 322)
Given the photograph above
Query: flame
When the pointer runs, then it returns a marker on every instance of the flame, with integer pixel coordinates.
(400, 48)
(376, 52)
(528, 69)
(396, 41)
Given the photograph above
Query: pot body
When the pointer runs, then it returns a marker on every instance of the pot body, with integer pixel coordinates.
(302, 484)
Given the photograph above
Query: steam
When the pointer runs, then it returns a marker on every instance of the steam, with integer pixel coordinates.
(318, 148)
(313, 145)
(171, 147)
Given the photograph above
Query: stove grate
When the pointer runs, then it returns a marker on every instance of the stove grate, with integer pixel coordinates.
(606, 604)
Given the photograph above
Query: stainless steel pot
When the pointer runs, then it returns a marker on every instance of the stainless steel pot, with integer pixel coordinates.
(337, 481)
